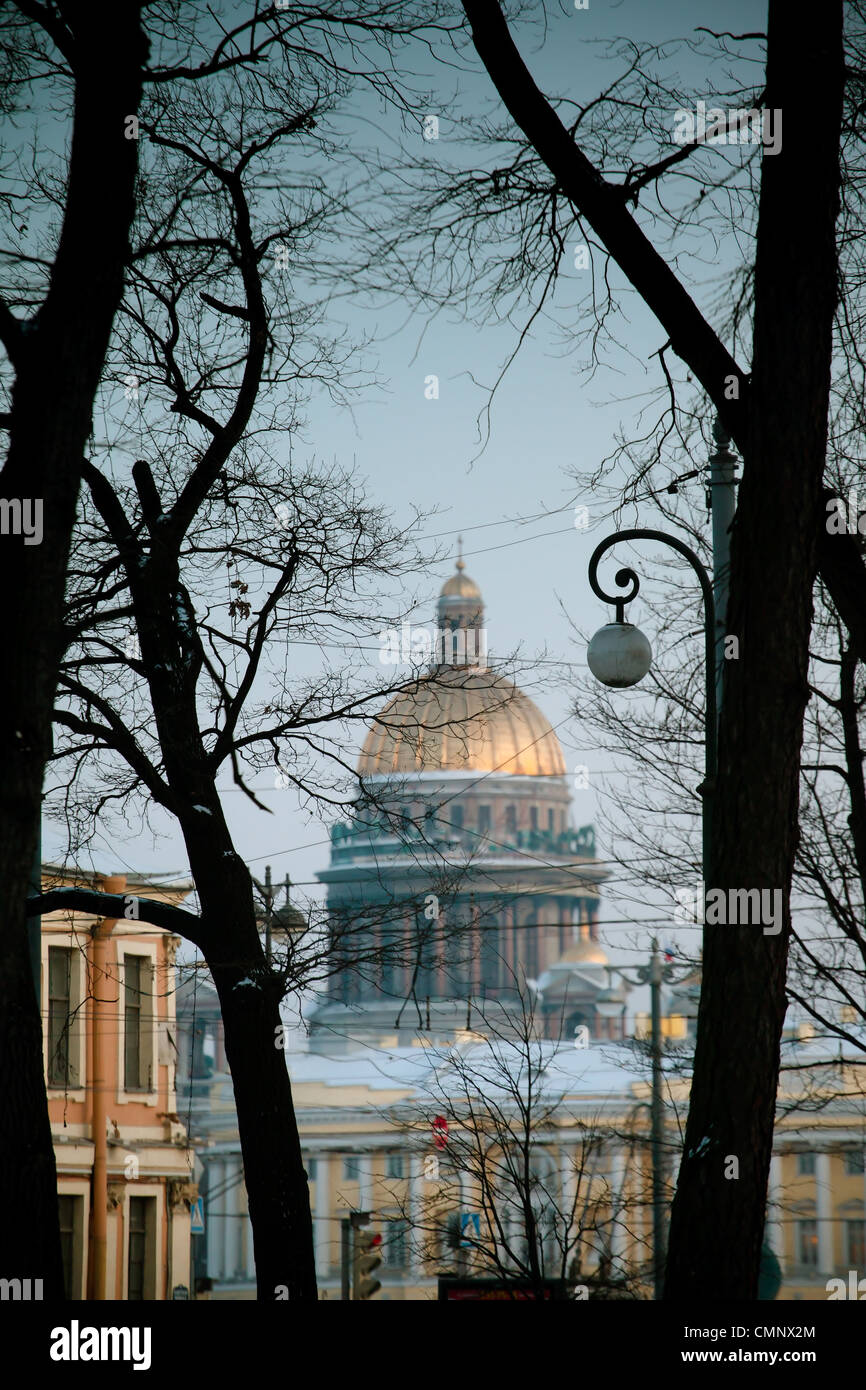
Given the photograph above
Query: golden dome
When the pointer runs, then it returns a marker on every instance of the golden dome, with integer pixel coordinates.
(462, 719)
(585, 952)
(460, 586)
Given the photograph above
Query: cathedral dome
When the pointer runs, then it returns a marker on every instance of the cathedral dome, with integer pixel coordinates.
(584, 952)
(460, 586)
(461, 717)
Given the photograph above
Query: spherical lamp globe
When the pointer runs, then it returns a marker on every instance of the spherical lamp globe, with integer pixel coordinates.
(619, 655)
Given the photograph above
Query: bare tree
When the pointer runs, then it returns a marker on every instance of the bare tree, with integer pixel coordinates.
(534, 1174)
(54, 329)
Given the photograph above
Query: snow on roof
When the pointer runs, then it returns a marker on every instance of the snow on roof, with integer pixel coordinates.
(598, 1071)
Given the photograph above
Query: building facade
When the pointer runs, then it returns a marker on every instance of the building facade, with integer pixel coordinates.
(367, 1119)
(124, 1165)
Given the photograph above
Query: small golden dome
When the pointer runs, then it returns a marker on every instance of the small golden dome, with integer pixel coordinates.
(460, 586)
(585, 952)
(462, 719)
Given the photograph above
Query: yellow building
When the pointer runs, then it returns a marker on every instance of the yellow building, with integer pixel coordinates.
(367, 1116)
(124, 1166)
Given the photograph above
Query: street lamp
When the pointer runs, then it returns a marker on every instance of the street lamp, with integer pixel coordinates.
(655, 974)
(619, 654)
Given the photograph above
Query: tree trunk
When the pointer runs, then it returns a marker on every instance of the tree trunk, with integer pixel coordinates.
(57, 357)
(249, 994)
(276, 1182)
(277, 1188)
(719, 1208)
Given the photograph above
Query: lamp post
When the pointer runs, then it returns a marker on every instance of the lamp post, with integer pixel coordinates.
(655, 974)
(619, 654)
(268, 896)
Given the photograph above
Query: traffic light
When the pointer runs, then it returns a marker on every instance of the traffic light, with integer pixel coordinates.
(366, 1256)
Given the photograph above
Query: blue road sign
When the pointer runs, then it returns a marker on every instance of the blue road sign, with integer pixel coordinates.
(196, 1224)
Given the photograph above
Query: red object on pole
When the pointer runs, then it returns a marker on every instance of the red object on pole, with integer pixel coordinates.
(440, 1131)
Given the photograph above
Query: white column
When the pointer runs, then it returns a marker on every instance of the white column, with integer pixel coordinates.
(464, 1256)
(566, 1178)
(220, 1219)
(775, 1235)
(566, 1191)
(225, 1208)
(250, 1251)
(824, 1204)
(365, 1181)
(415, 1213)
(617, 1204)
(326, 1230)
(211, 1224)
(249, 1254)
(233, 1220)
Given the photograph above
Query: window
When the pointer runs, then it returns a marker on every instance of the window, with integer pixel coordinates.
(597, 1159)
(394, 1166)
(483, 820)
(391, 939)
(61, 1006)
(310, 1165)
(550, 819)
(443, 1238)
(533, 817)
(511, 820)
(527, 946)
(70, 1227)
(854, 1163)
(855, 1244)
(137, 1023)
(457, 817)
(426, 949)
(351, 1168)
(807, 1243)
(141, 1261)
(203, 1051)
(805, 1165)
(490, 957)
(396, 1243)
